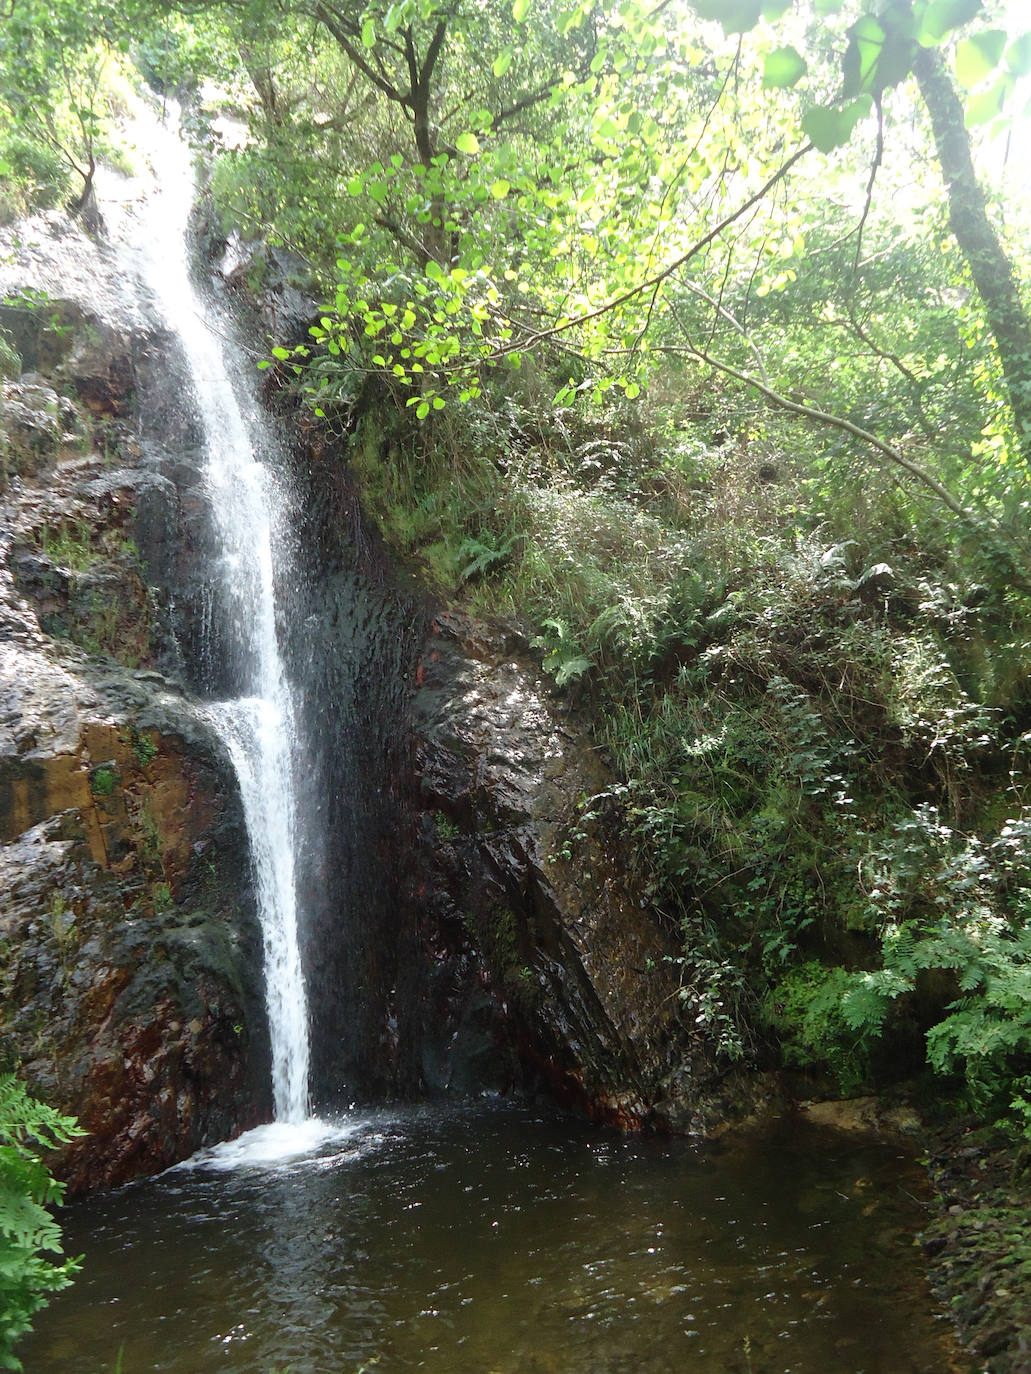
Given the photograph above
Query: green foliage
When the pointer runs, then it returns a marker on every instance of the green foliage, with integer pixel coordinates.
(805, 1009)
(103, 782)
(957, 906)
(71, 545)
(10, 362)
(561, 657)
(144, 746)
(161, 892)
(54, 94)
(27, 1230)
(36, 178)
(446, 828)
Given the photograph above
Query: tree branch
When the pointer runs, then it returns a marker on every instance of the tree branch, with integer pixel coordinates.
(346, 41)
(657, 278)
(823, 417)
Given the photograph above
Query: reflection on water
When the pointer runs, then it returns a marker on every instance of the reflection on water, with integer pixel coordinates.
(491, 1240)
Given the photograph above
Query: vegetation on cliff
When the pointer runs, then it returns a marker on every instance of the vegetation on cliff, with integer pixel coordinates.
(692, 342)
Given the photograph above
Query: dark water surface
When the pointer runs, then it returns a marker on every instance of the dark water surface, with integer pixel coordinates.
(498, 1241)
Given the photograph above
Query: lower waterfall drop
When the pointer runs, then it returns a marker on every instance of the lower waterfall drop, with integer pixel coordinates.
(247, 506)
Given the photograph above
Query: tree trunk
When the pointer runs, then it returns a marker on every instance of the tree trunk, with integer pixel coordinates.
(968, 214)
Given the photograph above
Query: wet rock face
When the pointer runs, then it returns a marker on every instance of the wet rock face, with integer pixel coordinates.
(275, 282)
(130, 988)
(545, 966)
(351, 639)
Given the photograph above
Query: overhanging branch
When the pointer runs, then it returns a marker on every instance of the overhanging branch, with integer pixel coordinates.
(824, 417)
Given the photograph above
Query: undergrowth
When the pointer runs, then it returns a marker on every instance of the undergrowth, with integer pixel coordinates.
(812, 690)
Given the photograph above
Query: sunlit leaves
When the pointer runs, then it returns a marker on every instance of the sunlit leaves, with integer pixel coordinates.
(990, 104)
(468, 143)
(983, 56)
(736, 16)
(783, 67)
(1018, 56)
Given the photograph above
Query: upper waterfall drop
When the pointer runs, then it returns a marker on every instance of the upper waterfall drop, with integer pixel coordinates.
(248, 511)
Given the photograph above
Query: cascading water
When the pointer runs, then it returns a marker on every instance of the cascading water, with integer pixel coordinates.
(247, 505)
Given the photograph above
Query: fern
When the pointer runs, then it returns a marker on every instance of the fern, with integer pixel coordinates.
(481, 559)
(26, 1227)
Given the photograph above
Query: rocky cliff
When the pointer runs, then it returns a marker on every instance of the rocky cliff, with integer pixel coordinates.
(128, 948)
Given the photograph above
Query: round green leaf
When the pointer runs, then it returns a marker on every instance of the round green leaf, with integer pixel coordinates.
(468, 143)
(736, 16)
(783, 68)
(990, 103)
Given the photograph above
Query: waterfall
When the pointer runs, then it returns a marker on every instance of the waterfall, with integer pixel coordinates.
(248, 508)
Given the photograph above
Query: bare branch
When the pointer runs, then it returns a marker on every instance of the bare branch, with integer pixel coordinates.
(735, 324)
(874, 168)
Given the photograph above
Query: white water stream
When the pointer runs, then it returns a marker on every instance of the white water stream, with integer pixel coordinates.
(247, 505)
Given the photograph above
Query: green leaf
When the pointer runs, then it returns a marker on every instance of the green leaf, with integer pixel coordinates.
(281, 353)
(783, 68)
(941, 17)
(520, 9)
(368, 34)
(468, 143)
(736, 16)
(866, 40)
(422, 410)
(502, 62)
(500, 189)
(977, 57)
(829, 129)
